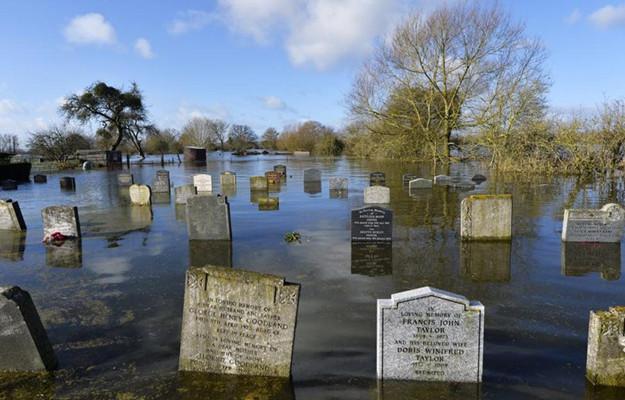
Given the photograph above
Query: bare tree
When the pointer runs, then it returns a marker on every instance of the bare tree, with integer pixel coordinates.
(9, 143)
(219, 132)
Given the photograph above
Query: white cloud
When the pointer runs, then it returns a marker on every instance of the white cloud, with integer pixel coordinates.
(573, 17)
(273, 103)
(257, 18)
(8, 106)
(190, 20)
(608, 16)
(143, 48)
(90, 28)
(185, 112)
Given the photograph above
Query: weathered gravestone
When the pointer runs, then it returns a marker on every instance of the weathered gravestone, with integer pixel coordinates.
(579, 259)
(258, 183)
(203, 183)
(125, 179)
(228, 178)
(268, 203)
(420, 183)
(161, 182)
(24, 344)
(428, 334)
(184, 192)
(238, 322)
(312, 175)
(40, 179)
(281, 169)
(11, 216)
(9, 184)
(140, 195)
(406, 178)
(61, 219)
(605, 358)
(486, 217)
(67, 254)
(377, 195)
(208, 218)
(485, 261)
(67, 183)
(339, 187)
(603, 225)
(372, 259)
(377, 178)
(372, 224)
(273, 177)
(442, 180)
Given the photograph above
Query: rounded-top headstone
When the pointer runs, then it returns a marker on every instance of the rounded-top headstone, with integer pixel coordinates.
(140, 195)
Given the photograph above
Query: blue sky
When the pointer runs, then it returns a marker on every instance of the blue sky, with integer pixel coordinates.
(260, 62)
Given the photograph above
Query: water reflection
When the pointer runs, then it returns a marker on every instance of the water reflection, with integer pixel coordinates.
(312, 187)
(579, 259)
(200, 386)
(407, 390)
(210, 252)
(372, 259)
(229, 190)
(65, 255)
(181, 212)
(256, 195)
(12, 245)
(161, 198)
(485, 261)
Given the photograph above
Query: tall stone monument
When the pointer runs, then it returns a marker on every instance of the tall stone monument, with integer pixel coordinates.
(238, 322)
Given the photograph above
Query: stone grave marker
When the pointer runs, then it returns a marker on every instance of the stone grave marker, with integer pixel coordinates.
(67, 254)
(238, 322)
(428, 334)
(478, 178)
(258, 183)
(579, 259)
(420, 183)
(184, 192)
(268, 203)
(461, 186)
(125, 179)
(372, 224)
(442, 180)
(228, 178)
(377, 178)
(281, 169)
(208, 218)
(161, 183)
(140, 195)
(312, 175)
(62, 219)
(24, 344)
(11, 218)
(406, 178)
(372, 259)
(67, 183)
(203, 183)
(377, 195)
(486, 217)
(339, 187)
(605, 358)
(40, 179)
(603, 226)
(273, 177)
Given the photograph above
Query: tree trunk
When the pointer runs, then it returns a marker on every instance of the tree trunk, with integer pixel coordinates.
(120, 136)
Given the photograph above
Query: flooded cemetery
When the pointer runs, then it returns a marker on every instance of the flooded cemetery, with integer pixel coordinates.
(275, 277)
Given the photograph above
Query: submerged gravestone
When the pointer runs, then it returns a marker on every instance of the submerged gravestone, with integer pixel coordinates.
(238, 322)
(268, 203)
(372, 224)
(161, 183)
(40, 179)
(228, 178)
(486, 217)
(377, 178)
(184, 192)
(604, 225)
(125, 179)
(339, 187)
(67, 183)
(428, 334)
(442, 180)
(208, 218)
(203, 183)
(377, 195)
(420, 183)
(605, 355)
(11, 218)
(406, 178)
(461, 186)
(24, 344)
(61, 219)
(140, 195)
(258, 183)
(273, 177)
(312, 175)
(281, 169)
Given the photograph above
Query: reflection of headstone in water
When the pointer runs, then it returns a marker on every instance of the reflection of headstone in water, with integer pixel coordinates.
(412, 390)
(485, 261)
(181, 212)
(256, 195)
(196, 386)
(339, 187)
(140, 216)
(67, 254)
(372, 259)
(579, 259)
(312, 187)
(12, 245)
(161, 198)
(210, 252)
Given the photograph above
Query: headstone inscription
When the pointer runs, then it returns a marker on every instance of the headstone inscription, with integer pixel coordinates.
(125, 179)
(161, 183)
(339, 188)
(258, 183)
(40, 179)
(184, 192)
(428, 334)
(605, 358)
(377, 178)
(228, 178)
(67, 183)
(312, 175)
(486, 217)
(281, 169)
(579, 259)
(602, 226)
(208, 218)
(238, 322)
(61, 219)
(24, 344)
(273, 177)
(420, 183)
(140, 195)
(11, 218)
(406, 178)
(377, 195)
(203, 183)
(485, 261)
(372, 224)
(268, 203)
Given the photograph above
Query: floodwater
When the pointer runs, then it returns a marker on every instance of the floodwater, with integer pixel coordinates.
(112, 305)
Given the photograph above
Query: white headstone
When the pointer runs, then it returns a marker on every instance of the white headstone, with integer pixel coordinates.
(203, 183)
(604, 225)
(140, 195)
(62, 219)
(420, 183)
(11, 216)
(377, 195)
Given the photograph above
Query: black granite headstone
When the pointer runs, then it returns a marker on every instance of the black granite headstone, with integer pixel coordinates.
(372, 224)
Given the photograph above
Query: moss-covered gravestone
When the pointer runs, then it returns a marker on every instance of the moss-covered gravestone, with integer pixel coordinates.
(486, 217)
(605, 358)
